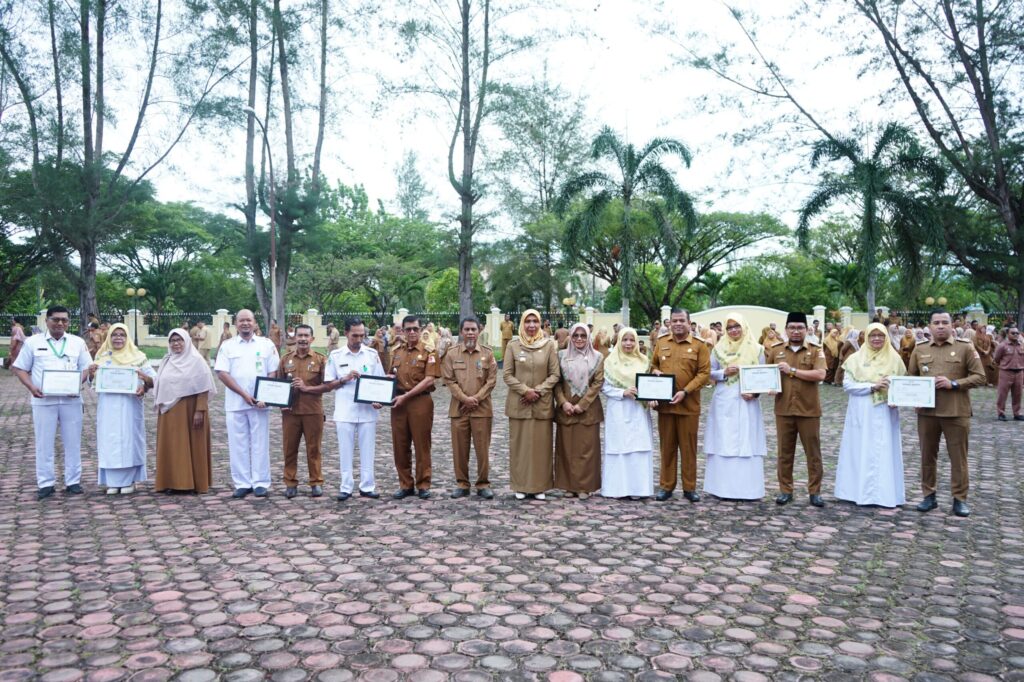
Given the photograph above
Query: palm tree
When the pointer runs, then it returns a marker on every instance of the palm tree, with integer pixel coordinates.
(639, 179)
(884, 186)
(711, 285)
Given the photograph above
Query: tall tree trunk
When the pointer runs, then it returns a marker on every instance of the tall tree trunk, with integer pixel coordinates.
(87, 302)
(872, 279)
(254, 259)
(466, 258)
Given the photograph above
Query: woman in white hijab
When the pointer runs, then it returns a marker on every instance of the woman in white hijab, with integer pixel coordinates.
(578, 415)
(184, 387)
(734, 439)
(628, 460)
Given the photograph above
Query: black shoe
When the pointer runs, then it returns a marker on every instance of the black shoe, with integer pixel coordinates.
(343, 496)
(460, 492)
(817, 501)
(403, 493)
(1003, 418)
(485, 493)
(928, 503)
(291, 492)
(960, 508)
(240, 493)
(783, 498)
(691, 496)
(260, 492)
(73, 489)
(1018, 417)
(423, 494)
(43, 493)
(369, 493)
(316, 491)
(663, 495)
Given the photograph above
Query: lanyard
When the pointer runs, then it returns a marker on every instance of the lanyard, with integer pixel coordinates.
(63, 346)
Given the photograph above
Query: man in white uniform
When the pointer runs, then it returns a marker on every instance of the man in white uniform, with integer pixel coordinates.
(355, 422)
(54, 349)
(239, 361)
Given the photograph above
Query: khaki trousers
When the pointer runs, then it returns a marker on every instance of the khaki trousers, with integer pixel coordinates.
(294, 427)
(809, 431)
(678, 435)
(479, 429)
(956, 430)
(410, 427)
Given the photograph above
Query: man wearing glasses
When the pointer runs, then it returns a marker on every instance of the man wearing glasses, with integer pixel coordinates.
(55, 349)
(1009, 357)
(412, 414)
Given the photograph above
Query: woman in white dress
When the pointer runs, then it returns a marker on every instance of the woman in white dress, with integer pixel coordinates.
(120, 426)
(870, 469)
(627, 463)
(734, 438)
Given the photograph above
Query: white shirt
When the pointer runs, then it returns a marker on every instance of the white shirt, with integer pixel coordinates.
(244, 361)
(339, 364)
(42, 352)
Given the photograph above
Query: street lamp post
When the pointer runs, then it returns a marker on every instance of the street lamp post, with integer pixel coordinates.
(135, 294)
(273, 218)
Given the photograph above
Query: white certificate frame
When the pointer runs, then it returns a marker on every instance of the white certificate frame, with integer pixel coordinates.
(64, 383)
(756, 379)
(273, 392)
(374, 389)
(655, 387)
(116, 380)
(907, 391)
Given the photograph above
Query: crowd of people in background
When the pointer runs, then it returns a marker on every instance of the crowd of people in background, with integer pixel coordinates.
(555, 377)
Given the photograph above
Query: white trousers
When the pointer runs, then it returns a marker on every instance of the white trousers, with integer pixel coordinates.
(249, 447)
(45, 419)
(348, 434)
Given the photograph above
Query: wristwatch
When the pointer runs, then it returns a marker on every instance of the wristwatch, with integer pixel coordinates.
(955, 385)
(792, 371)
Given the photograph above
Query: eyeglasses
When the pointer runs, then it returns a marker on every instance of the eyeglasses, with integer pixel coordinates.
(411, 329)
(733, 326)
(579, 336)
(60, 320)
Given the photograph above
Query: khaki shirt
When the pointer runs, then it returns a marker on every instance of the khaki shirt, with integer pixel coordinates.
(411, 367)
(798, 398)
(507, 329)
(526, 368)
(311, 370)
(957, 361)
(690, 361)
(470, 374)
(593, 412)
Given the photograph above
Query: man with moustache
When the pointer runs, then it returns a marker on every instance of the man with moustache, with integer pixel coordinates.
(305, 417)
(240, 360)
(1009, 358)
(470, 372)
(412, 413)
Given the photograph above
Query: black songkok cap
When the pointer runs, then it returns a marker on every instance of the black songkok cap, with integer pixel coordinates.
(797, 317)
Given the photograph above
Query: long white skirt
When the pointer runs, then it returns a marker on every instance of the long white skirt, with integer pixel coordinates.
(870, 469)
(120, 440)
(627, 474)
(734, 478)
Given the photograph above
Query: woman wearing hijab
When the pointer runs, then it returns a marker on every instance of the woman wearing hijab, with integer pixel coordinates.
(120, 424)
(531, 372)
(832, 344)
(771, 337)
(184, 386)
(851, 345)
(601, 343)
(734, 439)
(907, 345)
(870, 469)
(578, 414)
(628, 460)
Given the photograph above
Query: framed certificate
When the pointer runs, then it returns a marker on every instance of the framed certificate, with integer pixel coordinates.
(116, 380)
(912, 391)
(62, 382)
(659, 387)
(370, 389)
(760, 379)
(273, 392)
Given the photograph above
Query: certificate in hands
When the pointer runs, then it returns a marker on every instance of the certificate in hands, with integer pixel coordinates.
(116, 380)
(371, 389)
(912, 391)
(658, 387)
(760, 379)
(62, 382)
(274, 392)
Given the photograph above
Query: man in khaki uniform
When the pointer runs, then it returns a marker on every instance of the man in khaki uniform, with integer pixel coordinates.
(508, 329)
(798, 407)
(1009, 357)
(957, 367)
(333, 338)
(305, 418)
(412, 414)
(689, 360)
(200, 339)
(470, 372)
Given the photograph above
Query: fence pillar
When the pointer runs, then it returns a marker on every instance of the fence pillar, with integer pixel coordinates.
(217, 327)
(588, 315)
(492, 328)
(846, 316)
(819, 315)
(666, 313)
(133, 320)
(41, 321)
(400, 315)
(314, 319)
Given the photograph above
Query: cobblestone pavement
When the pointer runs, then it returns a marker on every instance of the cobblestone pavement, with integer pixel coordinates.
(152, 587)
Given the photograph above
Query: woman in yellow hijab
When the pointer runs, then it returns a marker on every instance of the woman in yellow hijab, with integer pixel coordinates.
(531, 371)
(120, 421)
(627, 461)
(870, 469)
(734, 438)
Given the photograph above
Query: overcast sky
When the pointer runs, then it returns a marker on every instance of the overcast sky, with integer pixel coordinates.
(631, 82)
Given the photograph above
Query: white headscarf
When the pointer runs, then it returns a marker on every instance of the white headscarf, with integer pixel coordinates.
(182, 374)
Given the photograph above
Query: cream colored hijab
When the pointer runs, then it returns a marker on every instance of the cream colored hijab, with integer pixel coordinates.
(128, 356)
(182, 374)
(868, 365)
(742, 351)
(620, 367)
